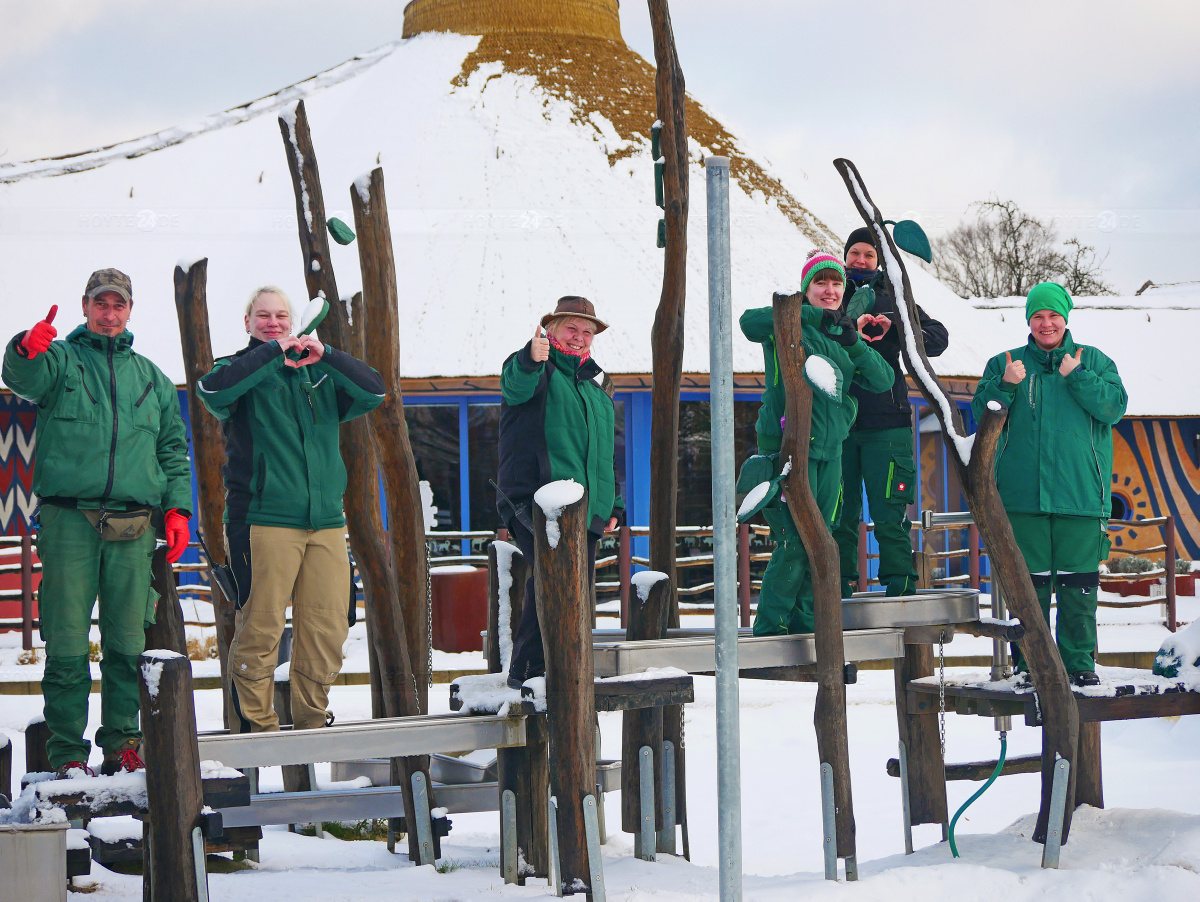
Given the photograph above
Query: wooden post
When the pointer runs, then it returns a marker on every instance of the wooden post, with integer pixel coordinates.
(833, 744)
(364, 520)
(1060, 733)
(864, 576)
(624, 569)
(167, 630)
(923, 564)
(516, 598)
(1169, 564)
(37, 759)
(562, 590)
(922, 742)
(295, 776)
(643, 726)
(26, 592)
(388, 428)
(744, 580)
(973, 555)
(526, 771)
(1089, 787)
(6, 767)
(173, 789)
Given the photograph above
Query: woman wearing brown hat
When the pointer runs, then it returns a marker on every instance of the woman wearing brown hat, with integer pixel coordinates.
(556, 422)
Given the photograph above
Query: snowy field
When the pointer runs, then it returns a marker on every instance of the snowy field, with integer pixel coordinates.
(1145, 845)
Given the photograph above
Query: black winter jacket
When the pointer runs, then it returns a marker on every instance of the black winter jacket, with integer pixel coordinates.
(890, 409)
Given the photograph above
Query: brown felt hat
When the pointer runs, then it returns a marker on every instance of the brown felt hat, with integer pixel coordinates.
(577, 307)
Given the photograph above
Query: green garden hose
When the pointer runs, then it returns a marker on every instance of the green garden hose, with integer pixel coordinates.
(981, 791)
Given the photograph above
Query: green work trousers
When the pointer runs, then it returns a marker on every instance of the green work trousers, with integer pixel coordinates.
(1063, 555)
(77, 567)
(882, 460)
(785, 601)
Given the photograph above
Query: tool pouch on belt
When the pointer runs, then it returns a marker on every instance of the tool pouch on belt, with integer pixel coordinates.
(118, 526)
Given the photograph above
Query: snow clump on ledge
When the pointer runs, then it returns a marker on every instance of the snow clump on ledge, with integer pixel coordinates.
(644, 580)
(553, 497)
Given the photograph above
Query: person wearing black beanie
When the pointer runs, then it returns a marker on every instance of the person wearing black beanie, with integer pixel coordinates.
(879, 451)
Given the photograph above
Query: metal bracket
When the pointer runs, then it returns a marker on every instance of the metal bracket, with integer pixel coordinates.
(591, 826)
(554, 875)
(644, 839)
(1058, 810)
(829, 822)
(905, 804)
(666, 836)
(424, 825)
(508, 836)
(201, 864)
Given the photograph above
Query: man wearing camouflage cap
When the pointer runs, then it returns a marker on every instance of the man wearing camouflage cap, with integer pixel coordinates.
(111, 449)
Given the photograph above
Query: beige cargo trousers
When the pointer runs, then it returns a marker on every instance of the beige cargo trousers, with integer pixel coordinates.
(310, 570)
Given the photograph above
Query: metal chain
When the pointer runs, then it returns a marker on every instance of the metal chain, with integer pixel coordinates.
(942, 691)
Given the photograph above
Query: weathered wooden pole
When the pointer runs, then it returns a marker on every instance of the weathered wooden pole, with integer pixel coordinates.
(389, 431)
(173, 788)
(37, 735)
(975, 465)
(364, 520)
(666, 339)
(833, 744)
(562, 588)
(643, 726)
(167, 630)
(6, 767)
(208, 444)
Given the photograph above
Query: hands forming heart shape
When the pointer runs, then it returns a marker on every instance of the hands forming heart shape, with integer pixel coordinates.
(873, 328)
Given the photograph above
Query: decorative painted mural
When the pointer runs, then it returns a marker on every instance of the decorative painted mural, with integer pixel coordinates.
(1154, 474)
(17, 502)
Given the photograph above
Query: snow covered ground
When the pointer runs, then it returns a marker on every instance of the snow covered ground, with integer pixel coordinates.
(1145, 845)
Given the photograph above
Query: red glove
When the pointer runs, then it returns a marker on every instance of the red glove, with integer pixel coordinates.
(178, 535)
(38, 339)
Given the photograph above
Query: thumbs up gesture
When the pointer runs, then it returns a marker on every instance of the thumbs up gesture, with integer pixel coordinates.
(1069, 363)
(1014, 371)
(539, 348)
(38, 339)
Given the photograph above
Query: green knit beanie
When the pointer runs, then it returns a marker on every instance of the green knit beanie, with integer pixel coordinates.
(1048, 296)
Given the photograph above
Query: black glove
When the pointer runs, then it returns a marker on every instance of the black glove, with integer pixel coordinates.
(849, 334)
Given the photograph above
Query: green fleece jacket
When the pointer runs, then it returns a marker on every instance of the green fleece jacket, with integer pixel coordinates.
(556, 422)
(281, 432)
(831, 420)
(1055, 454)
(108, 423)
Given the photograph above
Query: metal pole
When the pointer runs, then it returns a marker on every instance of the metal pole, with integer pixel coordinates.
(720, 329)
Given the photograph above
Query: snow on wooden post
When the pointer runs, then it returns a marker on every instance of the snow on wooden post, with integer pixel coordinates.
(388, 428)
(364, 519)
(648, 608)
(833, 744)
(973, 458)
(562, 588)
(37, 735)
(208, 441)
(507, 572)
(173, 789)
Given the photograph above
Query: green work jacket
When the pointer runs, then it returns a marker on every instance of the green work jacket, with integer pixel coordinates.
(281, 432)
(108, 424)
(831, 420)
(1055, 453)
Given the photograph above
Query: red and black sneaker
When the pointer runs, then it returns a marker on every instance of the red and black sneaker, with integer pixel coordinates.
(124, 758)
(66, 772)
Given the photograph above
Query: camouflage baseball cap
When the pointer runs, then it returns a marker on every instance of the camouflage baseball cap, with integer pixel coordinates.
(110, 280)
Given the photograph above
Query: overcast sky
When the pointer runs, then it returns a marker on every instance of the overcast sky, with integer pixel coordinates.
(1085, 112)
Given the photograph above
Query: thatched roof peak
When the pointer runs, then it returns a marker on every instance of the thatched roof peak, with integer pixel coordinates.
(579, 18)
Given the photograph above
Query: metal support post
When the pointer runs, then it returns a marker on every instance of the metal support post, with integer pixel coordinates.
(554, 872)
(643, 840)
(1058, 810)
(424, 826)
(720, 326)
(828, 822)
(508, 836)
(666, 836)
(904, 799)
(591, 827)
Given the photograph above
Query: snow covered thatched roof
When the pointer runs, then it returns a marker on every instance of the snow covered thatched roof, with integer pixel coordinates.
(518, 170)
